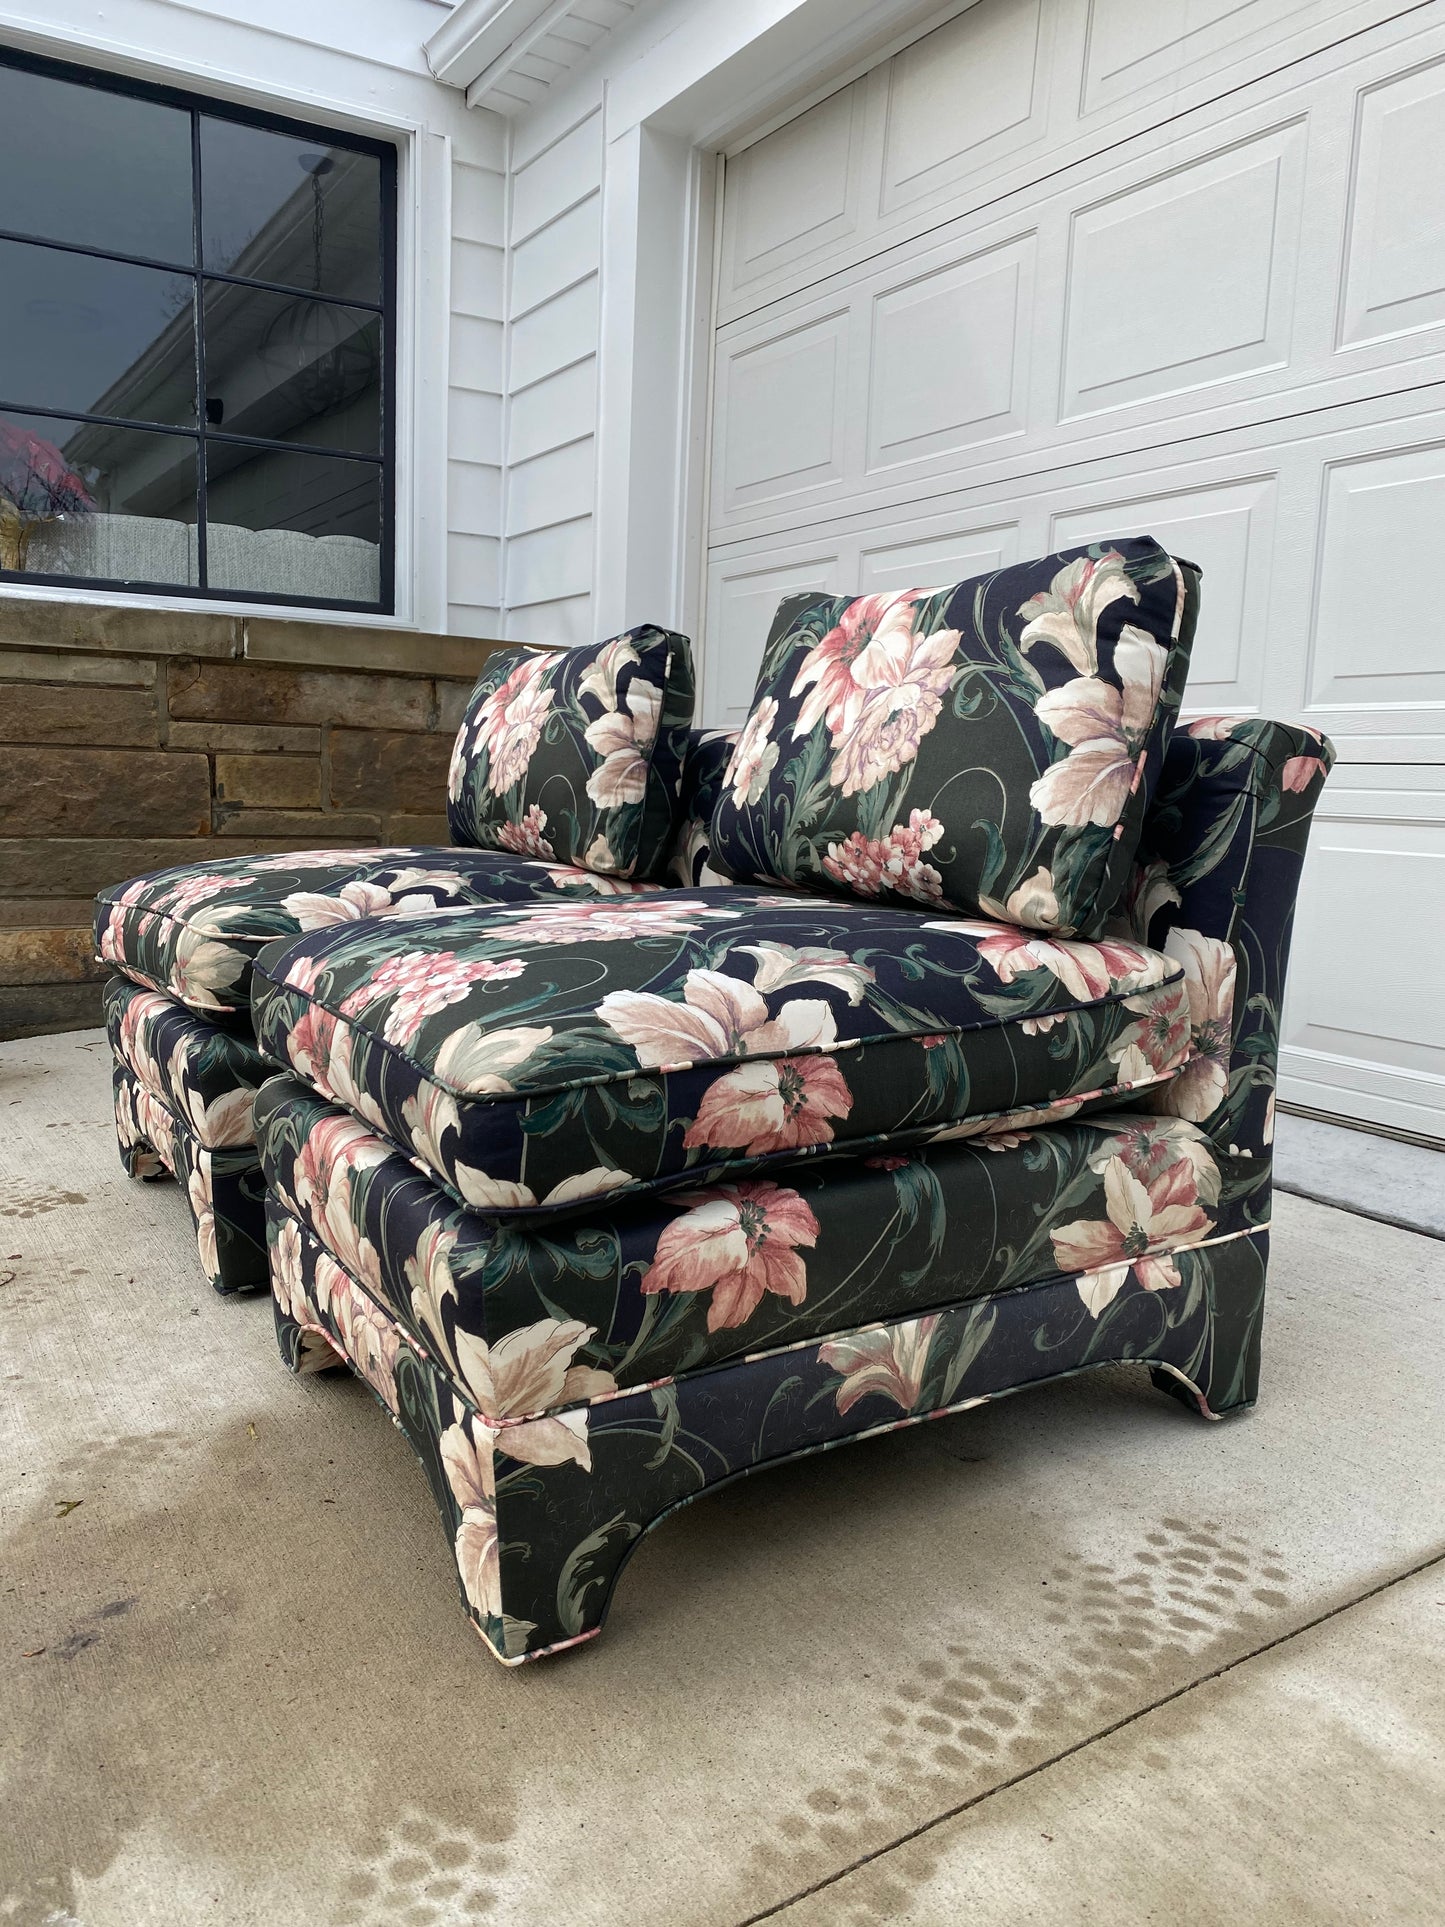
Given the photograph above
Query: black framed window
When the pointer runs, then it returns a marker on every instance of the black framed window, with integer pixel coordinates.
(197, 322)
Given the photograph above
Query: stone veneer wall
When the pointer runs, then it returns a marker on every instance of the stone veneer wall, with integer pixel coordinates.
(135, 738)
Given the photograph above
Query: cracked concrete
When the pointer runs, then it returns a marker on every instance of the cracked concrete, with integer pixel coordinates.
(1074, 1656)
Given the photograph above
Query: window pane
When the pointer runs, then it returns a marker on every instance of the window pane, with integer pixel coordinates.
(296, 211)
(292, 368)
(301, 525)
(96, 337)
(106, 504)
(100, 169)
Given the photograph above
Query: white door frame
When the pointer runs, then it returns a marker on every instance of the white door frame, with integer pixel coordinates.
(725, 75)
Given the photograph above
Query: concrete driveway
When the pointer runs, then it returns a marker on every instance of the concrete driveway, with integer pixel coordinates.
(1076, 1656)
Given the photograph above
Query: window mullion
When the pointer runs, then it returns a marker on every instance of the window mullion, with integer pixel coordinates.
(199, 322)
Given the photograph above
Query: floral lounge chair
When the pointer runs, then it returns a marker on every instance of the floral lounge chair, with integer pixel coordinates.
(963, 1082)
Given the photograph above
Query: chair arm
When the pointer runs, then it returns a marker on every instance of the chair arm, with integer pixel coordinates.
(1215, 886)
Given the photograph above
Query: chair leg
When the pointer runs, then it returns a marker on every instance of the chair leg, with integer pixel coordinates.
(1219, 1376)
(139, 1158)
(225, 1193)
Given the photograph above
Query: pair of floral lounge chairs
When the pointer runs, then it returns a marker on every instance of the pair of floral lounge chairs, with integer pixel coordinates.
(616, 1178)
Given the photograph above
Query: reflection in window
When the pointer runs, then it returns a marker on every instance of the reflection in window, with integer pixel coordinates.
(295, 212)
(97, 503)
(274, 515)
(293, 370)
(194, 345)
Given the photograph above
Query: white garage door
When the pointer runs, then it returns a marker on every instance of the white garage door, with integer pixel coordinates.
(1074, 268)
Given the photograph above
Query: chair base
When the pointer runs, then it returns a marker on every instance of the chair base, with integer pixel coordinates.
(224, 1188)
(543, 1512)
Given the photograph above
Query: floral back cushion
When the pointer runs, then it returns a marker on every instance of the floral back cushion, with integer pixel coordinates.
(575, 755)
(989, 747)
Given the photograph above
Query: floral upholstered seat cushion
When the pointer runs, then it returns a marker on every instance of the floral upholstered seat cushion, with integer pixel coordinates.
(193, 931)
(205, 1075)
(536, 1056)
(990, 747)
(576, 755)
(531, 1315)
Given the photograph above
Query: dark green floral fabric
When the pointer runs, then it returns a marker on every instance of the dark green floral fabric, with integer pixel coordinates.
(662, 1286)
(194, 931)
(708, 755)
(566, 1383)
(1215, 889)
(184, 1090)
(223, 1186)
(186, 1079)
(546, 1486)
(990, 747)
(576, 755)
(541, 1056)
(206, 1075)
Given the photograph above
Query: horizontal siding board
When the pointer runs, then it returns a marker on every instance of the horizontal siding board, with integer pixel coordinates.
(476, 353)
(474, 498)
(567, 621)
(479, 205)
(475, 425)
(477, 277)
(556, 256)
(473, 574)
(560, 176)
(467, 619)
(560, 332)
(555, 487)
(553, 412)
(549, 563)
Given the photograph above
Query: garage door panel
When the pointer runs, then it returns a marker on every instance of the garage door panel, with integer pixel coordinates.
(931, 561)
(741, 602)
(1186, 280)
(1009, 94)
(1395, 262)
(799, 195)
(1141, 48)
(1148, 305)
(1379, 630)
(1364, 1025)
(950, 357)
(784, 402)
(961, 100)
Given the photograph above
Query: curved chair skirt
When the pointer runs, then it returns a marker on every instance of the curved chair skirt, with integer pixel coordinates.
(543, 1510)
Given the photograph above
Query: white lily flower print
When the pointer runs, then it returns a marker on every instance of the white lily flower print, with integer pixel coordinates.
(1105, 727)
(889, 1361)
(1209, 973)
(719, 1017)
(1067, 613)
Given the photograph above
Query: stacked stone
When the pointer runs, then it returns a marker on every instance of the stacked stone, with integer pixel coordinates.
(128, 735)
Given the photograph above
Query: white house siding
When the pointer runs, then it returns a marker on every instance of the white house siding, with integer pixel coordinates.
(285, 56)
(476, 368)
(554, 238)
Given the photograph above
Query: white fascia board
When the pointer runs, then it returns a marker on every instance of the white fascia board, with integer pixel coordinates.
(477, 34)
